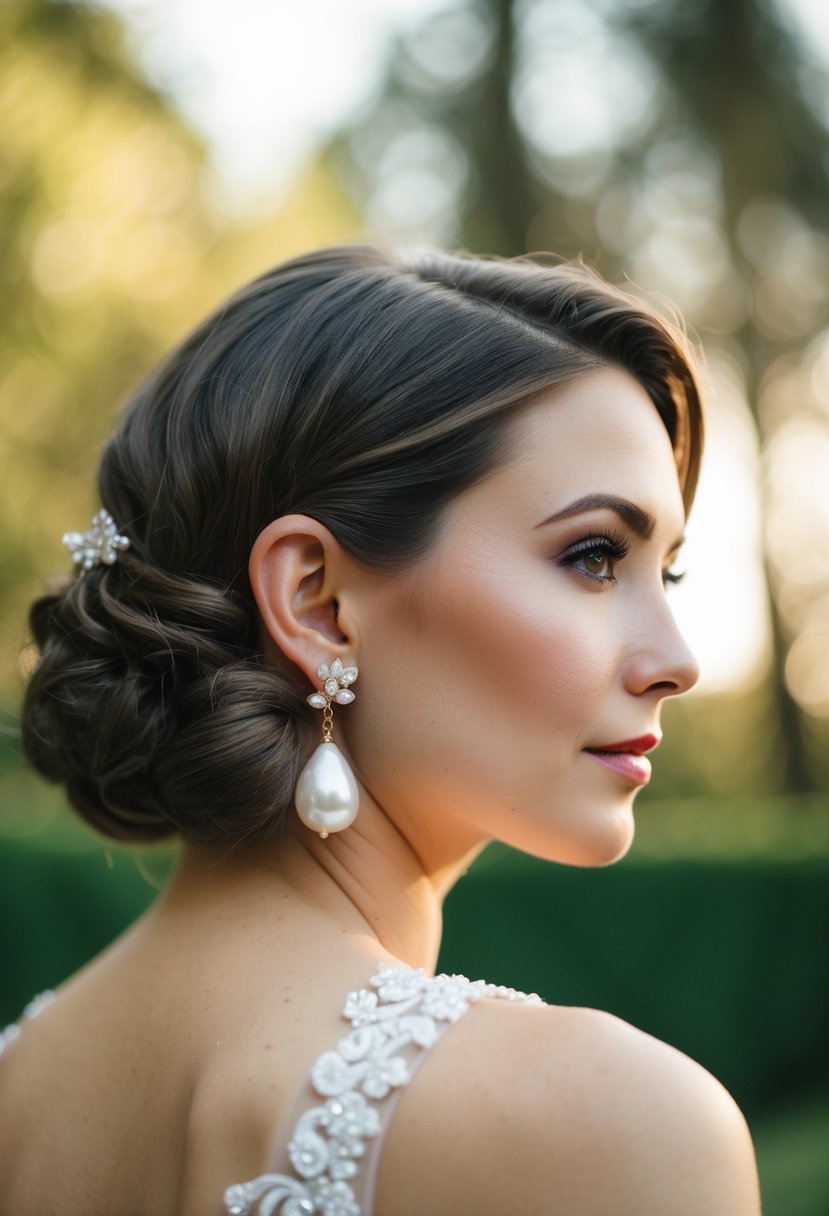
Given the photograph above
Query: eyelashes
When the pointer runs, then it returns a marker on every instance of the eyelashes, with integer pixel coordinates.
(596, 556)
(672, 577)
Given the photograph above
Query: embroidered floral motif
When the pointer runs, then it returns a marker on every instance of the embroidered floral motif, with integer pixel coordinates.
(330, 1140)
(361, 1007)
(399, 983)
(447, 999)
(347, 1122)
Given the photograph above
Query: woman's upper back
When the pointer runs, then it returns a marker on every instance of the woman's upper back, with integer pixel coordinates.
(148, 1092)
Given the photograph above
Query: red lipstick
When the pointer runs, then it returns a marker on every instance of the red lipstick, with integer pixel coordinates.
(637, 747)
(627, 759)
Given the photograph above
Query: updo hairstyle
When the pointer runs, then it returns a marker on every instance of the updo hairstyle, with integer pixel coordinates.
(362, 387)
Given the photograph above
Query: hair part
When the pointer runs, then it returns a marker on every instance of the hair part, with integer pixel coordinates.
(362, 387)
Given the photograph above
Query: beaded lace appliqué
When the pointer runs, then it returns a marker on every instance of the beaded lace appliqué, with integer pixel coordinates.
(403, 1008)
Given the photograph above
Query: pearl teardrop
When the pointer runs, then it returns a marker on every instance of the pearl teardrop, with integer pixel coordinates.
(327, 798)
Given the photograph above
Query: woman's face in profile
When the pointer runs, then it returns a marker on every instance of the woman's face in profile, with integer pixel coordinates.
(534, 633)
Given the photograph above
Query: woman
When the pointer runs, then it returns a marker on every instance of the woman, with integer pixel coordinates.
(383, 580)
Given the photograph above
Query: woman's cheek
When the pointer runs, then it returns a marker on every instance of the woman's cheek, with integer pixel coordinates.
(559, 660)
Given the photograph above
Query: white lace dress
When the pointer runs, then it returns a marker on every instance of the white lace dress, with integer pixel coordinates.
(327, 1161)
(328, 1167)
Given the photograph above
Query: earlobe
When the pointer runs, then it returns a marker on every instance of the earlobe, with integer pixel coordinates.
(294, 568)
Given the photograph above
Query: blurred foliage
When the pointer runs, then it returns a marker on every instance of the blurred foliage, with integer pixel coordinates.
(111, 245)
(684, 146)
(581, 126)
(793, 1161)
(103, 228)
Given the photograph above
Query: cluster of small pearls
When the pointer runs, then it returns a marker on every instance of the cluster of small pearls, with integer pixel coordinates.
(336, 680)
(512, 994)
(99, 546)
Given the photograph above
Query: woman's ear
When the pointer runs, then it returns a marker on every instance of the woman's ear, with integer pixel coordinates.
(296, 572)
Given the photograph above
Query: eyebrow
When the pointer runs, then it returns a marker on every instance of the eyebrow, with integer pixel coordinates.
(640, 522)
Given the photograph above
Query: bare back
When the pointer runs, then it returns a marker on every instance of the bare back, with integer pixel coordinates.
(163, 1072)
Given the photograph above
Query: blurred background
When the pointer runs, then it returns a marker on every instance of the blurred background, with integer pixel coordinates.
(154, 154)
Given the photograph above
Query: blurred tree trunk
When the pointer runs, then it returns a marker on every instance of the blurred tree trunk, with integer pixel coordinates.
(507, 189)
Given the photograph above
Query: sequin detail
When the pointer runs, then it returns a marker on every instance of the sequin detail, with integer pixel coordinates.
(402, 1008)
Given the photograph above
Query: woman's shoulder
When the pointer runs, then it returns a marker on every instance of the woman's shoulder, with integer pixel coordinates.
(553, 1108)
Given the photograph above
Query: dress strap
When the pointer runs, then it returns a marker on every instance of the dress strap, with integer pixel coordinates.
(329, 1166)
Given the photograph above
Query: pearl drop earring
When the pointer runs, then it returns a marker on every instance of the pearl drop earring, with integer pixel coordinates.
(327, 798)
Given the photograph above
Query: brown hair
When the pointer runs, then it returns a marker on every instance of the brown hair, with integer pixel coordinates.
(362, 387)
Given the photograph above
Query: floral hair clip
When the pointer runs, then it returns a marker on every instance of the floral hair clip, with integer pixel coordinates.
(99, 546)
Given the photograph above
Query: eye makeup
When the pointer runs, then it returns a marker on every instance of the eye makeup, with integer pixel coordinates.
(606, 549)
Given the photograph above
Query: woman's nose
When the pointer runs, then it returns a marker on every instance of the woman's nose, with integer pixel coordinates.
(661, 660)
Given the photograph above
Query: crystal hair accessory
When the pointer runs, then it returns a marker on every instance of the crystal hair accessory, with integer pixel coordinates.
(327, 798)
(99, 546)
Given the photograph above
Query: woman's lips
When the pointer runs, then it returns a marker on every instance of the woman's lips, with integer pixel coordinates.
(645, 743)
(636, 769)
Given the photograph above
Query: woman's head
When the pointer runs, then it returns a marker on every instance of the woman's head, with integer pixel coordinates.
(512, 680)
(363, 389)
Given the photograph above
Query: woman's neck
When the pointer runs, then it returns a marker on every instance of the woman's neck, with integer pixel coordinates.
(367, 882)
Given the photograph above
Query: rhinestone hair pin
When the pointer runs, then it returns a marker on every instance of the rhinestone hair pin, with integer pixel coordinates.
(99, 546)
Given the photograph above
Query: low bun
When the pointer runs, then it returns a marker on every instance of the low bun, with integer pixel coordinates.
(145, 704)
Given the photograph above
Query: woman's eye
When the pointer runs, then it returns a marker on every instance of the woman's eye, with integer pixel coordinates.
(597, 563)
(671, 577)
(597, 557)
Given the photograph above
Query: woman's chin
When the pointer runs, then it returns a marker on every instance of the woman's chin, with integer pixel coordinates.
(593, 842)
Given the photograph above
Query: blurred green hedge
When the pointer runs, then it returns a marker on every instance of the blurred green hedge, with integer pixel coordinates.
(726, 960)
